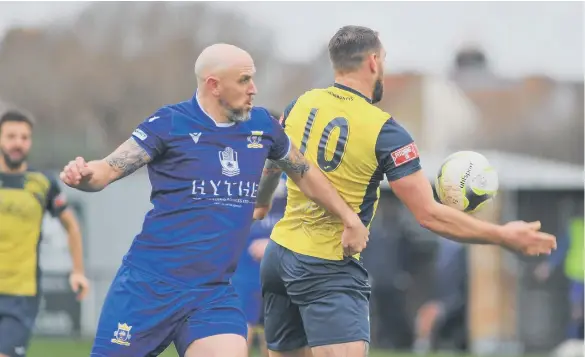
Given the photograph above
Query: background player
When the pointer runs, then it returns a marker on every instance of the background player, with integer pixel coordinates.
(25, 196)
(205, 158)
(315, 295)
(246, 279)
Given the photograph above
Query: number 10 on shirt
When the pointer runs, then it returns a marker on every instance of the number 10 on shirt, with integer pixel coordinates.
(327, 165)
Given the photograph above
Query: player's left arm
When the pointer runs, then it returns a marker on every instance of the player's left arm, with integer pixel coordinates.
(398, 157)
(272, 172)
(58, 207)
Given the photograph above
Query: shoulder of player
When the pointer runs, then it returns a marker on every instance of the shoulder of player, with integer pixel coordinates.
(310, 95)
(392, 135)
(158, 123)
(306, 96)
(376, 114)
(261, 116)
(305, 99)
(163, 115)
(46, 177)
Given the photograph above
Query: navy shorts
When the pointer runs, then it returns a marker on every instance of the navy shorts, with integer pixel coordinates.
(143, 314)
(17, 320)
(313, 302)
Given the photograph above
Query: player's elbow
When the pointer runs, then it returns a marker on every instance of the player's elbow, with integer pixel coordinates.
(427, 215)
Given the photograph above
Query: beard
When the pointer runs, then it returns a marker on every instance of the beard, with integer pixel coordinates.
(13, 164)
(378, 91)
(235, 115)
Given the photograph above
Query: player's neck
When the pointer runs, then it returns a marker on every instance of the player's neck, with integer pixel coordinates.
(355, 84)
(212, 108)
(6, 169)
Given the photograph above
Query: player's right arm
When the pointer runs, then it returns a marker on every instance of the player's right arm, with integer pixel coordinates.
(95, 175)
(411, 186)
(142, 147)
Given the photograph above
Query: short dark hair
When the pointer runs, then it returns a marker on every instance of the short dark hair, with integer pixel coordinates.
(15, 116)
(349, 46)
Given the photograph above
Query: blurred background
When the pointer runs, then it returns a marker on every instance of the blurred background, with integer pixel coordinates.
(501, 78)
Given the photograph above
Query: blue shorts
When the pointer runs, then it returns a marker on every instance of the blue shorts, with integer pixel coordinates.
(142, 314)
(251, 301)
(313, 302)
(17, 319)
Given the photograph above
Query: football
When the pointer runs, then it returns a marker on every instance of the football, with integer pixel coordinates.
(466, 181)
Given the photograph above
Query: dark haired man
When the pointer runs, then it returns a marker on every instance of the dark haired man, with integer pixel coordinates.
(25, 196)
(315, 288)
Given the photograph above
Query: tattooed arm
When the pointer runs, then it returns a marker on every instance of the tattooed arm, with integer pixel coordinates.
(310, 180)
(268, 183)
(96, 175)
(126, 159)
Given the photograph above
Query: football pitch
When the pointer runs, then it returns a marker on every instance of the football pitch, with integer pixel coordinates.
(41, 347)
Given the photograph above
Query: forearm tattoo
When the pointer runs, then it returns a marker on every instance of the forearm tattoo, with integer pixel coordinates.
(294, 163)
(128, 158)
(268, 183)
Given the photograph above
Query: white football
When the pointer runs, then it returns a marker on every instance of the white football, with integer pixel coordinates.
(466, 181)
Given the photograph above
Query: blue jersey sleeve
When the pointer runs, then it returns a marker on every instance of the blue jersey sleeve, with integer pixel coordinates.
(151, 133)
(396, 151)
(281, 145)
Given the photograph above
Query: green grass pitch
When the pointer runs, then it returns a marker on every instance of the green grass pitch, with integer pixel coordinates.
(42, 347)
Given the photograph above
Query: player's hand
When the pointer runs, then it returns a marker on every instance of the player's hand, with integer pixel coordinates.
(354, 238)
(257, 248)
(526, 238)
(76, 172)
(79, 284)
(260, 212)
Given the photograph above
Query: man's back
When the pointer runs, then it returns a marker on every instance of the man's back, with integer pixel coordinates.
(352, 142)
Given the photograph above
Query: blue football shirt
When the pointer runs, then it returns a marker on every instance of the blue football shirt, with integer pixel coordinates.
(204, 178)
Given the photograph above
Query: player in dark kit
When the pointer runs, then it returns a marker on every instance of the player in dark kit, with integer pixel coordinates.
(25, 196)
(246, 279)
(205, 158)
(315, 288)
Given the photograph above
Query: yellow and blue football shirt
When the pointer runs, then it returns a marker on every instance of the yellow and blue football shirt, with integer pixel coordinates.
(24, 199)
(355, 144)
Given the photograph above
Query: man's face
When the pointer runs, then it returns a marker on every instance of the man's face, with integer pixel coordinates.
(378, 91)
(236, 92)
(15, 143)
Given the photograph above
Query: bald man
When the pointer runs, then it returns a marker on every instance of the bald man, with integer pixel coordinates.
(205, 158)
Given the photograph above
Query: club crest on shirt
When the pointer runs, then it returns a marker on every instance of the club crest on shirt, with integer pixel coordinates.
(254, 139)
(229, 162)
(122, 335)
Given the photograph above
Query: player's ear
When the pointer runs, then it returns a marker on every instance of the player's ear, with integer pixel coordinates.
(212, 84)
(373, 63)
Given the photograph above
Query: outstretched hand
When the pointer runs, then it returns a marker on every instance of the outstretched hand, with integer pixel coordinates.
(526, 238)
(76, 173)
